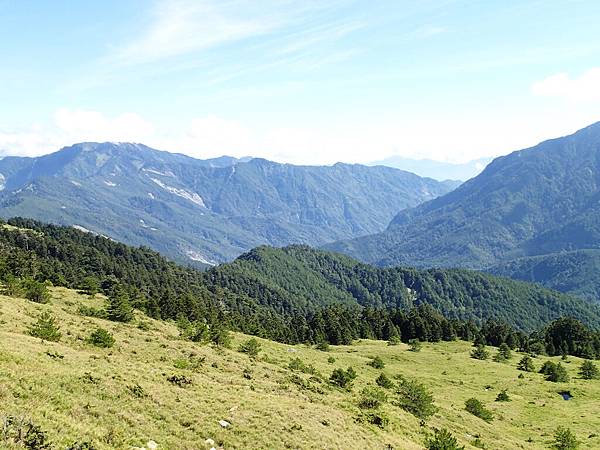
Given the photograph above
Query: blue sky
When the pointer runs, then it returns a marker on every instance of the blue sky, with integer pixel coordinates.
(303, 82)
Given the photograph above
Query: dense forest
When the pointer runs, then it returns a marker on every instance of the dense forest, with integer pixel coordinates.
(298, 294)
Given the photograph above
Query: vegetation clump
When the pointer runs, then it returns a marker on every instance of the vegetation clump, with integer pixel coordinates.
(555, 372)
(377, 362)
(414, 397)
(503, 354)
(480, 353)
(477, 408)
(23, 433)
(526, 364)
(503, 396)
(119, 308)
(343, 378)
(251, 347)
(36, 291)
(414, 345)
(45, 328)
(589, 371)
(371, 398)
(442, 439)
(384, 381)
(564, 439)
(101, 338)
(180, 380)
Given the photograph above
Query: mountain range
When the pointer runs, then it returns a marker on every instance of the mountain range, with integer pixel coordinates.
(533, 214)
(205, 211)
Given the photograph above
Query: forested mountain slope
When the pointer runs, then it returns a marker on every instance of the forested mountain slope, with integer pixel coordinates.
(540, 201)
(277, 293)
(205, 211)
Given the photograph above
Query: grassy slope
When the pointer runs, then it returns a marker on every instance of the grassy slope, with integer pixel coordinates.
(267, 411)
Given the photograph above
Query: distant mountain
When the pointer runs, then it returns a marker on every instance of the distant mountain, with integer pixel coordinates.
(540, 201)
(205, 211)
(436, 169)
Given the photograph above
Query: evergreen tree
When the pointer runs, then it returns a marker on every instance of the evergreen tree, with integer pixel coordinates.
(564, 439)
(442, 439)
(45, 328)
(35, 291)
(526, 364)
(589, 371)
(480, 353)
(119, 308)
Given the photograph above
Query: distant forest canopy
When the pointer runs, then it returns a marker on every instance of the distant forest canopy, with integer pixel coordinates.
(299, 294)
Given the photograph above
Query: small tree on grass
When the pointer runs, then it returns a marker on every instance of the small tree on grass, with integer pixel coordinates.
(101, 338)
(220, 336)
(504, 353)
(45, 328)
(414, 345)
(589, 371)
(371, 398)
(251, 347)
(564, 439)
(503, 396)
(414, 397)
(119, 308)
(377, 363)
(526, 364)
(442, 439)
(555, 372)
(480, 352)
(343, 378)
(36, 291)
(476, 408)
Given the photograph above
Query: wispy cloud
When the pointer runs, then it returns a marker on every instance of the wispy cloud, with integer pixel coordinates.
(585, 88)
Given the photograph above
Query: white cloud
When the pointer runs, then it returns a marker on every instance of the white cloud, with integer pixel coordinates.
(459, 139)
(586, 88)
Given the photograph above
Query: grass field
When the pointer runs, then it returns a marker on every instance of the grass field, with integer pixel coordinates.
(120, 397)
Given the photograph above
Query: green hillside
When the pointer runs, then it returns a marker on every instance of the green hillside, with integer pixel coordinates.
(121, 397)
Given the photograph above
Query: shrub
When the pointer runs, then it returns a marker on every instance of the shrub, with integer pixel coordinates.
(137, 391)
(220, 336)
(547, 368)
(383, 381)
(45, 328)
(251, 347)
(394, 340)
(101, 338)
(414, 345)
(503, 354)
(371, 398)
(413, 397)
(81, 446)
(343, 378)
(90, 311)
(476, 408)
(196, 331)
(36, 291)
(23, 433)
(503, 396)
(526, 364)
(480, 353)
(331, 360)
(179, 380)
(557, 374)
(12, 286)
(564, 439)
(442, 439)
(589, 371)
(377, 363)
(377, 418)
(323, 346)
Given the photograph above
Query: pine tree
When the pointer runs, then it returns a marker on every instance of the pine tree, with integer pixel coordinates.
(480, 353)
(589, 371)
(45, 328)
(119, 309)
(526, 364)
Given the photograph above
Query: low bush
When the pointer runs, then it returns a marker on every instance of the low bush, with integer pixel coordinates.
(442, 439)
(477, 408)
(101, 338)
(414, 397)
